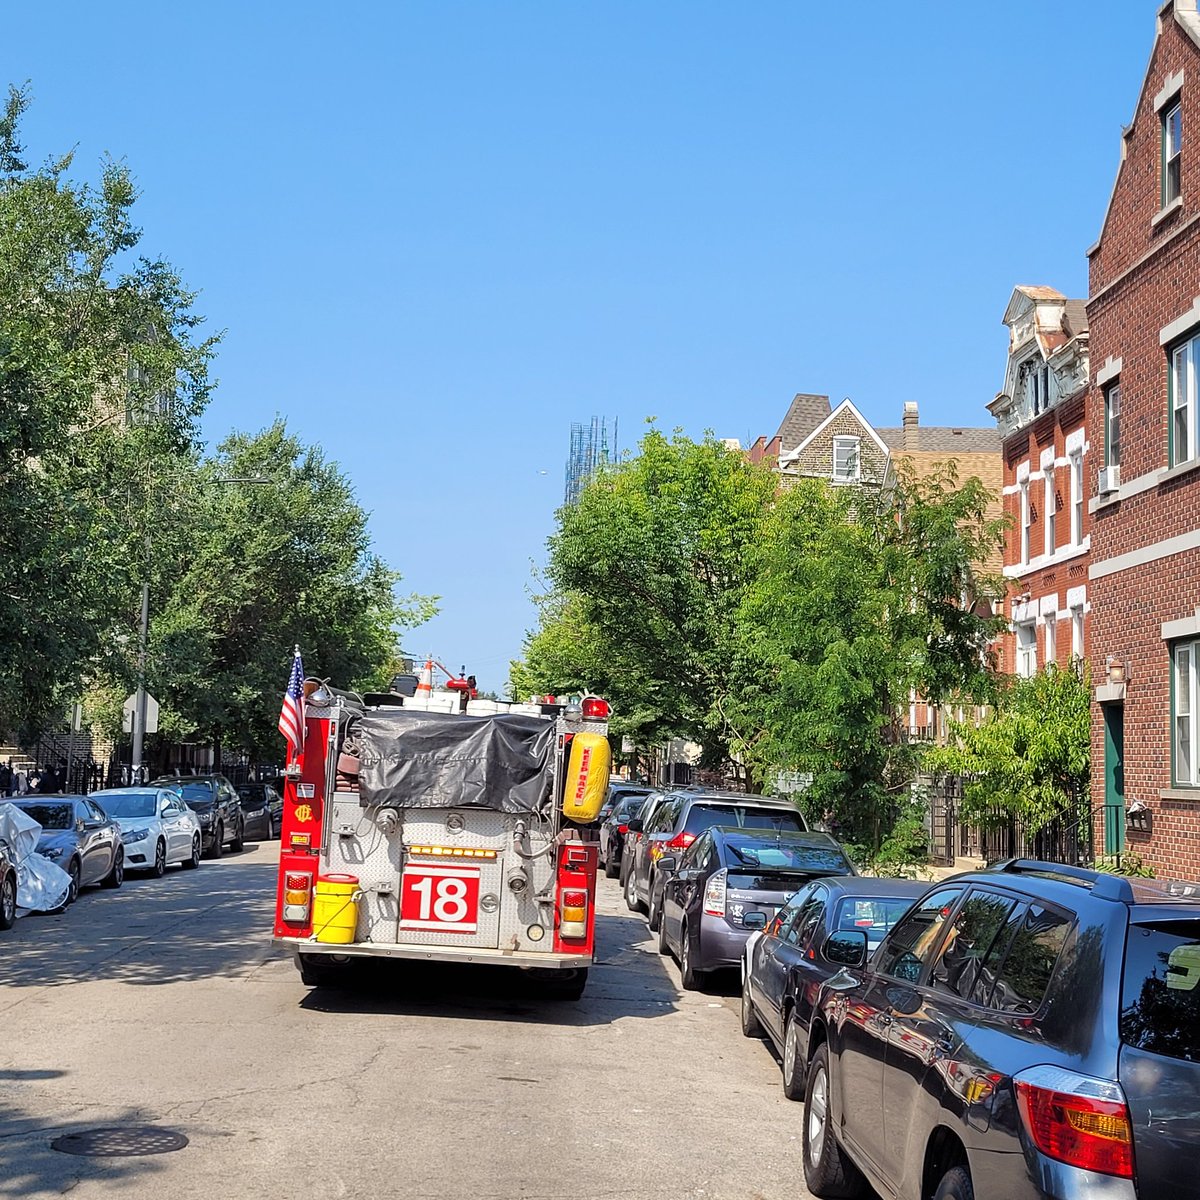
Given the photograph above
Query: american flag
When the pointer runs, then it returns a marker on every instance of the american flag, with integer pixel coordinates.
(291, 718)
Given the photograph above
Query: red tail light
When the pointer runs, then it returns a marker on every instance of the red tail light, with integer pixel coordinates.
(681, 841)
(574, 899)
(622, 828)
(1077, 1119)
(595, 709)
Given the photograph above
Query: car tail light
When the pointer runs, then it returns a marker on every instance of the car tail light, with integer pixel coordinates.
(1077, 1119)
(681, 841)
(622, 828)
(572, 909)
(297, 897)
(714, 895)
(595, 709)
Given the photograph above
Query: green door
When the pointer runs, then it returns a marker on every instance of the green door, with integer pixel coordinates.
(1114, 778)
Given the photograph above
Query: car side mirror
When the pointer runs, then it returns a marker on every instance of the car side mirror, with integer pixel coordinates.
(755, 920)
(164, 807)
(80, 825)
(847, 947)
(668, 864)
(635, 825)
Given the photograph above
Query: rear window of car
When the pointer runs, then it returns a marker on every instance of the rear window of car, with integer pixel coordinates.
(874, 914)
(1160, 993)
(787, 856)
(629, 806)
(704, 816)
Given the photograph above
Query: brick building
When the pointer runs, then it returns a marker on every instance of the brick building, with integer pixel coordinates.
(1041, 417)
(1144, 576)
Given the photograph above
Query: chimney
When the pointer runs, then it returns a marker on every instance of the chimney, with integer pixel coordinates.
(912, 435)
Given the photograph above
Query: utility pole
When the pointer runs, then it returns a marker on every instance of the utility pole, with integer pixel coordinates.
(139, 709)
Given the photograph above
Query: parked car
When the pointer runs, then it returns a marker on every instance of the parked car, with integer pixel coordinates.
(676, 825)
(783, 968)
(262, 807)
(636, 824)
(157, 828)
(8, 886)
(217, 806)
(614, 828)
(80, 838)
(1027, 1032)
(724, 877)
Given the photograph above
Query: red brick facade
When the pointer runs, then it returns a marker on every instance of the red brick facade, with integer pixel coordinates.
(1144, 575)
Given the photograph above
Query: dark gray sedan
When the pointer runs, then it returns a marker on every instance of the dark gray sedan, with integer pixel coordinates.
(80, 838)
(262, 807)
(728, 883)
(786, 964)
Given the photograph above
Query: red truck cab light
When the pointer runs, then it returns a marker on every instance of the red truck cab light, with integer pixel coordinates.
(595, 709)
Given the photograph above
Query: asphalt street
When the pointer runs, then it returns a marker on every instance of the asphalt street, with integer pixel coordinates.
(165, 1004)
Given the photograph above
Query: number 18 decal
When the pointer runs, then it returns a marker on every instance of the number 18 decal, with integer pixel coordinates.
(443, 899)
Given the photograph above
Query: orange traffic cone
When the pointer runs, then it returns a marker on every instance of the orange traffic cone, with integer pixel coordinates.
(425, 680)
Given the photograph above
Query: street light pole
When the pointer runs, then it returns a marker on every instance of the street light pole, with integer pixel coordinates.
(139, 707)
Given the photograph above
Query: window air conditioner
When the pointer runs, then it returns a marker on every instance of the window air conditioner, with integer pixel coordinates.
(1109, 480)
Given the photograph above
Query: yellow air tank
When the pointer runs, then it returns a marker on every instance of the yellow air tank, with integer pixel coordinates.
(587, 777)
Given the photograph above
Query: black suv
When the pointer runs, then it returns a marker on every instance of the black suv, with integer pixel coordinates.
(217, 806)
(1028, 1031)
(673, 826)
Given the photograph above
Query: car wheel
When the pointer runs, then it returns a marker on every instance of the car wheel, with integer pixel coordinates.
(190, 864)
(956, 1185)
(793, 1060)
(239, 842)
(612, 866)
(116, 876)
(8, 900)
(654, 919)
(827, 1170)
(751, 1025)
(271, 834)
(663, 945)
(631, 897)
(688, 975)
(74, 872)
(218, 843)
(160, 859)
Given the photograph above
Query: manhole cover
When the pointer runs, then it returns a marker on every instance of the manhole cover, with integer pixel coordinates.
(124, 1142)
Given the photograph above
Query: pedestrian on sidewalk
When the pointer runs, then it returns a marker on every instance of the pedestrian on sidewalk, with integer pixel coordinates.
(6, 778)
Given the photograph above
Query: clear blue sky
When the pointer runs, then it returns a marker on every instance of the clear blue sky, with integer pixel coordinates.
(438, 233)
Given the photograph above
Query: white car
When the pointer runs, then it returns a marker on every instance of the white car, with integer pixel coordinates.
(157, 828)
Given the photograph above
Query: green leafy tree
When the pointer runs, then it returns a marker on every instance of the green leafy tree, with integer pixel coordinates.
(277, 552)
(102, 371)
(862, 597)
(1030, 759)
(649, 570)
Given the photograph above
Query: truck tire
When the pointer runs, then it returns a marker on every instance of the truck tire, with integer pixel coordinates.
(316, 970)
(569, 988)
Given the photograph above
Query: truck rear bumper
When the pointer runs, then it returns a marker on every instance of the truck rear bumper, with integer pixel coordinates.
(547, 960)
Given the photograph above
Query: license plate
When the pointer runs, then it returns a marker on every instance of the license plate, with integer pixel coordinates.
(440, 899)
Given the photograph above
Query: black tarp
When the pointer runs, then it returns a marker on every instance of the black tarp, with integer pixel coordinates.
(410, 759)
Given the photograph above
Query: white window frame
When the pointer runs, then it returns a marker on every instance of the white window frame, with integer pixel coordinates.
(852, 446)
(1026, 523)
(1183, 716)
(1077, 632)
(1112, 443)
(1172, 153)
(1026, 662)
(1051, 638)
(1050, 518)
(1077, 498)
(1183, 400)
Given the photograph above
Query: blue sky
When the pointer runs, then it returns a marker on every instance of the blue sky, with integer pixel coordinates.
(438, 233)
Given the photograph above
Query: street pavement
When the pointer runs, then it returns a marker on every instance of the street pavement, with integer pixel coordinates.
(165, 1004)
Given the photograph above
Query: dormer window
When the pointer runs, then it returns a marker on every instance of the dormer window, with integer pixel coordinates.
(845, 460)
(1037, 386)
(1172, 152)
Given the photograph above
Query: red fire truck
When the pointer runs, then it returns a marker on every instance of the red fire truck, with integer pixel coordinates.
(414, 829)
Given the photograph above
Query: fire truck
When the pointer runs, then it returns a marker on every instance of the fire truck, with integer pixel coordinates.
(442, 828)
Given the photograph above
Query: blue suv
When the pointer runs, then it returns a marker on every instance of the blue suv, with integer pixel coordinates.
(1027, 1031)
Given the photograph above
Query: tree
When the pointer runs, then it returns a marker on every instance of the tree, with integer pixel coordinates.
(861, 598)
(649, 570)
(93, 343)
(1030, 759)
(277, 553)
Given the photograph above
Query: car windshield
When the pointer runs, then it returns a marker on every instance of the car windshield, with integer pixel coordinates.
(200, 792)
(873, 914)
(252, 793)
(789, 856)
(1160, 994)
(128, 804)
(705, 816)
(52, 816)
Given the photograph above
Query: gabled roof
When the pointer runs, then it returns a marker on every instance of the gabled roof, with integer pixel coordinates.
(805, 413)
(790, 456)
(945, 439)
